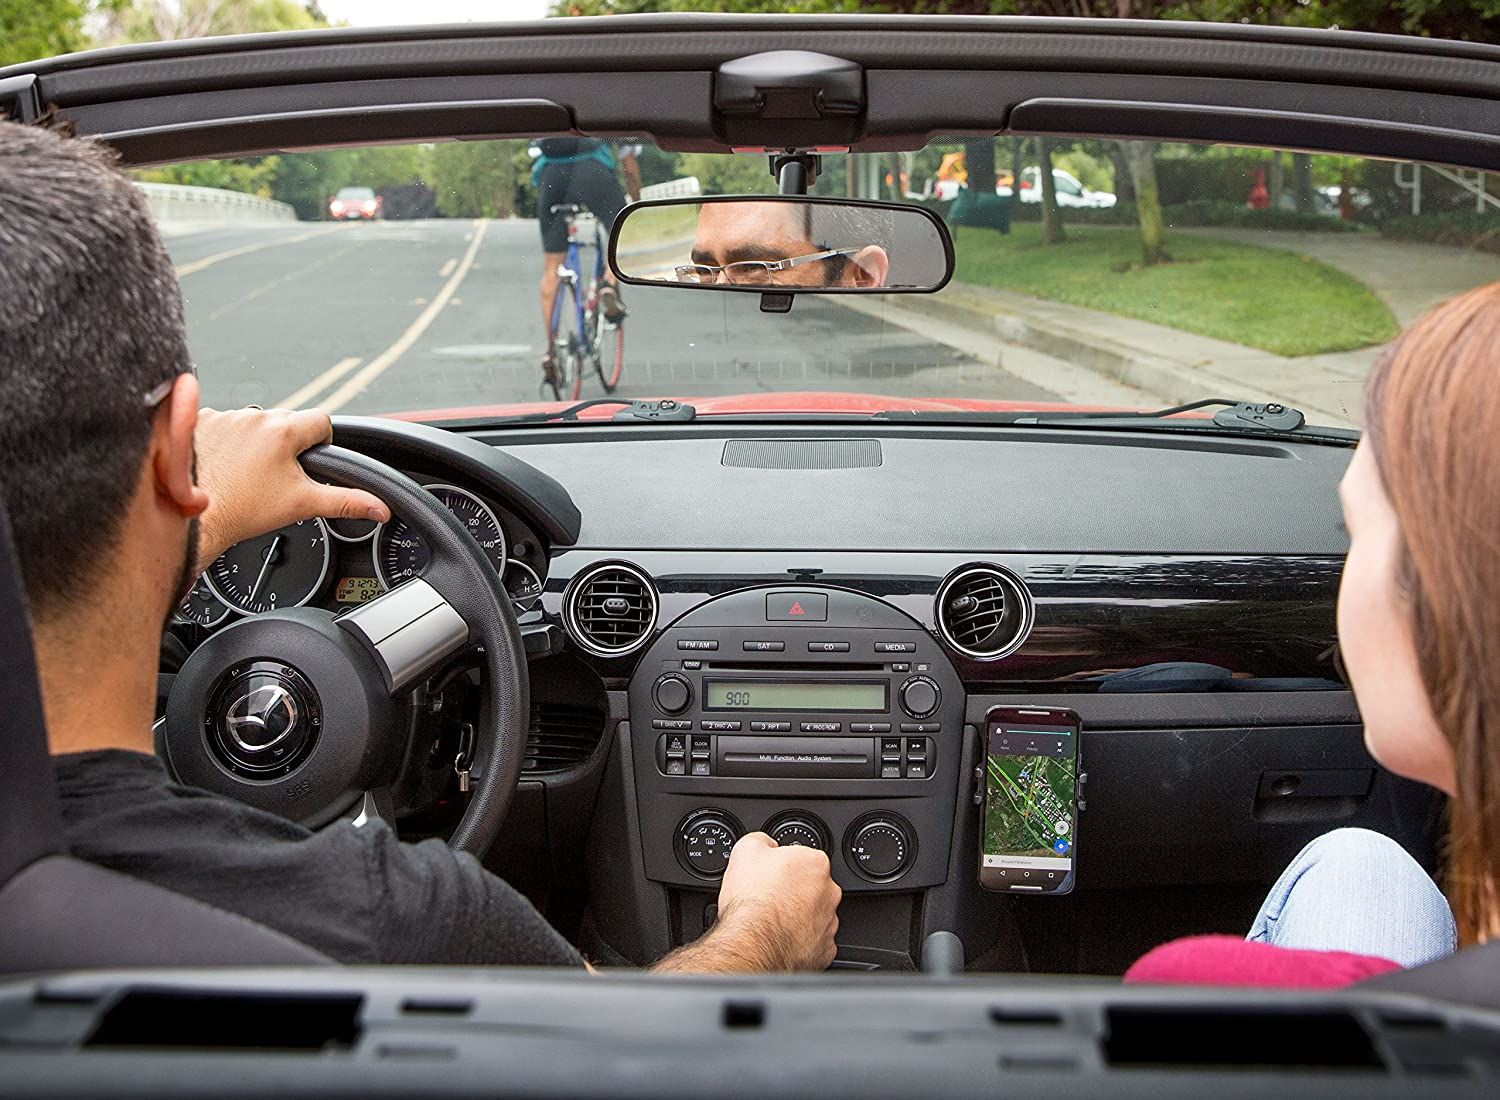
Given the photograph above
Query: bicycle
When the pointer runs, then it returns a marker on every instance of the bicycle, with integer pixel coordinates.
(594, 337)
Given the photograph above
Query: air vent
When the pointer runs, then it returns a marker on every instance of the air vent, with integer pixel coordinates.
(562, 736)
(610, 609)
(984, 611)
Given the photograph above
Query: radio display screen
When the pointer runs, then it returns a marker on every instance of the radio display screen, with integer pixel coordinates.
(793, 695)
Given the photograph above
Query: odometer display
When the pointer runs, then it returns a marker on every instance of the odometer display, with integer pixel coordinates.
(401, 553)
(283, 569)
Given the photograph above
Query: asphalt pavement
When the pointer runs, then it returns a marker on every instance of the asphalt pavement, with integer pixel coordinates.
(420, 315)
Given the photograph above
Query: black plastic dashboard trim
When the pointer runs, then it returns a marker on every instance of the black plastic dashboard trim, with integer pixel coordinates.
(535, 496)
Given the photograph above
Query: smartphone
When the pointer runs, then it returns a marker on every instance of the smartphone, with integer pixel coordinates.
(1030, 836)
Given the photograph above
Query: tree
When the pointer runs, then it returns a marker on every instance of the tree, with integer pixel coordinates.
(164, 20)
(33, 29)
(475, 179)
(1302, 182)
(1052, 226)
(1140, 159)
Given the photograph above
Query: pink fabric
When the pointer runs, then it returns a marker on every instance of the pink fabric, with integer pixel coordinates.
(1228, 960)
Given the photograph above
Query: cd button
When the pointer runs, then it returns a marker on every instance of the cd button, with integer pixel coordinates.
(828, 647)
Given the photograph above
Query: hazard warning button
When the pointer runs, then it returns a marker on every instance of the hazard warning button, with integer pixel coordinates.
(797, 607)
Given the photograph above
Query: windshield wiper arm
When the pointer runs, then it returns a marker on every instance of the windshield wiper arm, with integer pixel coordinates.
(1255, 418)
(665, 409)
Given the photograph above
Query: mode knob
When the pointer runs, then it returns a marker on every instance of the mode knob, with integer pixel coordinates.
(919, 696)
(672, 694)
(704, 839)
(880, 846)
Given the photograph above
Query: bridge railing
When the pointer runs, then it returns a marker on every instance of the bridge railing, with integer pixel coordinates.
(177, 205)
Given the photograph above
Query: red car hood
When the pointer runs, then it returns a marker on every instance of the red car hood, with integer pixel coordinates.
(811, 403)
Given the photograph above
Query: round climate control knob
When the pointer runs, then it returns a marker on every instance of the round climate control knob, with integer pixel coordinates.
(796, 827)
(672, 694)
(880, 846)
(919, 696)
(703, 841)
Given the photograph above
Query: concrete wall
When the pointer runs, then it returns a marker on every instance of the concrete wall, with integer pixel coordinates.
(179, 209)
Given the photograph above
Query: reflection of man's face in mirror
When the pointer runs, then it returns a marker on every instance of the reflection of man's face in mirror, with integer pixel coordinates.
(785, 244)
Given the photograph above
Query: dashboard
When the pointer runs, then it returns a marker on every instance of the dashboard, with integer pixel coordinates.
(339, 563)
(734, 628)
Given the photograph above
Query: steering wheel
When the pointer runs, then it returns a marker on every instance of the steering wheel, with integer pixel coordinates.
(305, 713)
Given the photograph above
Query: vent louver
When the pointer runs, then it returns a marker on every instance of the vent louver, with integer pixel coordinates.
(610, 609)
(984, 612)
(561, 736)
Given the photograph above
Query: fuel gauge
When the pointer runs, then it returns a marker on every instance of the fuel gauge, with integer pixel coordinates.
(202, 606)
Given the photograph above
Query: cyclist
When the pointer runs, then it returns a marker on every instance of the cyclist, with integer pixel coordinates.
(579, 171)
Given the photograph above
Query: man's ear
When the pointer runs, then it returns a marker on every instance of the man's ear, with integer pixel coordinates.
(871, 266)
(172, 456)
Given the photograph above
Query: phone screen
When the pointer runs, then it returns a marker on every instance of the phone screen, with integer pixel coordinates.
(1031, 792)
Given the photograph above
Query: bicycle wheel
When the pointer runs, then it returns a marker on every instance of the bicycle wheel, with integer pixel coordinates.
(563, 340)
(608, 352)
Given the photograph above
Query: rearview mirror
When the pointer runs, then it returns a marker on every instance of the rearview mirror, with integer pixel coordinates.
(797, 244)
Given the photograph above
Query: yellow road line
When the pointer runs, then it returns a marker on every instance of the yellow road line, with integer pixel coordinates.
(184, 270)
(382, 362)
(309, 392)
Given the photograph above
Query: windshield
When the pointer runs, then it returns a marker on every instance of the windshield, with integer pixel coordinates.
(1146, 275)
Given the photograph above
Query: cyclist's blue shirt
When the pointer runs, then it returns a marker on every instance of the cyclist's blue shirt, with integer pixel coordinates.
(598, 151)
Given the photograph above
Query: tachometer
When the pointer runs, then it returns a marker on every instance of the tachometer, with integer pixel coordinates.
(401, 553)
(283, 569)
(202, 606)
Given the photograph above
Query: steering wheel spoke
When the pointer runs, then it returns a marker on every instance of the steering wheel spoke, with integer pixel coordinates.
(410, 630)
(376, 804)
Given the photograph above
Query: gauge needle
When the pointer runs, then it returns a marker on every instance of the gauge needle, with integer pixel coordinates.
(265, 568)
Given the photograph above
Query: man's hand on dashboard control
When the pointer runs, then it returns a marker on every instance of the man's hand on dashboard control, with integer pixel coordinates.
(247, 461)
(778, 910)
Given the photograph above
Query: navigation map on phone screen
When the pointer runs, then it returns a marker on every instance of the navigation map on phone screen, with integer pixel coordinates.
(1031, 784)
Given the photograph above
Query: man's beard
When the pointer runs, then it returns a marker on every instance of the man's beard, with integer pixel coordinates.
(187, 575)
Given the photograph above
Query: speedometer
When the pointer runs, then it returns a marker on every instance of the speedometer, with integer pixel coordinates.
(283, 569)
(401, 553)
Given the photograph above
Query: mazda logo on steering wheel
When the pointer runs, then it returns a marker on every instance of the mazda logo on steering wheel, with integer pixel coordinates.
(262, 718)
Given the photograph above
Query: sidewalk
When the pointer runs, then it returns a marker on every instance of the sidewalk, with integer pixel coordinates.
(1101, 358)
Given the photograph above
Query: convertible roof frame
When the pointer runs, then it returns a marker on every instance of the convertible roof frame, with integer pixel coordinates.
(1333, 91)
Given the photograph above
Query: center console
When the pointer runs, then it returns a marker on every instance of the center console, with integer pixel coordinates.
(821, 716)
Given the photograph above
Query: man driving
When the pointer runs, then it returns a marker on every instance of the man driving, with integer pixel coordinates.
(789, 244)
(119, 492)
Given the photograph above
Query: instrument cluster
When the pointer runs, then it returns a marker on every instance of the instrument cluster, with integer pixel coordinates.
(341, 563)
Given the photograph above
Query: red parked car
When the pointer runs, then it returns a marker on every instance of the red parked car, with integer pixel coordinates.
(355, 202)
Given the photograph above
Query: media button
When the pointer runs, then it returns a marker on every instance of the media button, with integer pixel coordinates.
(895, 647)
(763, 647)
(822, 727)
(828, 647)
(698, 643)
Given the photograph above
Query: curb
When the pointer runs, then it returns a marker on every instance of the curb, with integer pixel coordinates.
(1172, 379)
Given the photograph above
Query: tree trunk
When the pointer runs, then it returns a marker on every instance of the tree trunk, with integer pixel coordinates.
(979, 165)
(1052, 226)
(1124, 190)
(1302, 182)
(1017, 166)
(1276, 182)
(1140, 156)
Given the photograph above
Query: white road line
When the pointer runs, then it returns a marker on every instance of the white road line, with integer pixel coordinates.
(383, 362)
(184, 270)
(307, 395)
(448, 267)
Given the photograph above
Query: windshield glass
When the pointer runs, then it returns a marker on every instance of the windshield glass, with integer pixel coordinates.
(409, 280)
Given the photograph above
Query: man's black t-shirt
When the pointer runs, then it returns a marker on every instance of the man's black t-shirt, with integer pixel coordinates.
(359, 895)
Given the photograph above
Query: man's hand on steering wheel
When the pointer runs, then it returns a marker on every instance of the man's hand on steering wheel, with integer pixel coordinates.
(247, 462)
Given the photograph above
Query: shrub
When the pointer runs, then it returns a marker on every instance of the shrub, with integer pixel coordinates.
(1467, 229)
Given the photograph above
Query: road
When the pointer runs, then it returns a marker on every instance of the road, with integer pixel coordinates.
(392, 316)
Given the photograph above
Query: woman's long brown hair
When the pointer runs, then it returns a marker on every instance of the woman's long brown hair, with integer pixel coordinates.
(1432, 416)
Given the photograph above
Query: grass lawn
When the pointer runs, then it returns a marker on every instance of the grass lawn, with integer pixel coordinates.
(1263, 297)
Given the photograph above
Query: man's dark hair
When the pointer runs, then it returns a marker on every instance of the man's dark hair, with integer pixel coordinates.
(90, 323)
